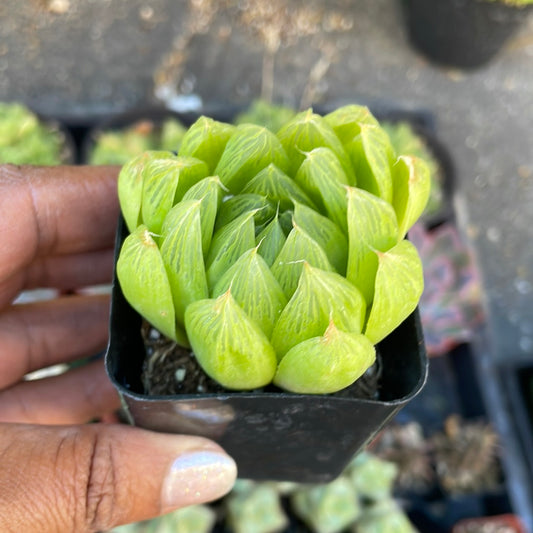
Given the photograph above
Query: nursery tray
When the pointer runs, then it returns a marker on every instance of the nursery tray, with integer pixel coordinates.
(278, 436)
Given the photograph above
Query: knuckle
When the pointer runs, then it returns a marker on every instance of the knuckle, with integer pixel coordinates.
(99, 484)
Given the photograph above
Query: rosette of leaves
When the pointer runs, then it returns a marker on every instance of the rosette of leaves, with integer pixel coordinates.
(118, 146)
(254, 507)
(328, 508)
(372, 477)
(384, 516)
(25, 139)
(277, 257)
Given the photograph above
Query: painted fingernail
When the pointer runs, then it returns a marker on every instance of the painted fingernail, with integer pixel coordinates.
(197, 477)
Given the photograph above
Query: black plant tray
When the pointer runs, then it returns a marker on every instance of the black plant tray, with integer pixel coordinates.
(509, 404)
(278, 436)
(518, 382)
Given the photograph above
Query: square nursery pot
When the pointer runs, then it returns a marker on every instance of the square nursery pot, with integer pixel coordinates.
(271, 435)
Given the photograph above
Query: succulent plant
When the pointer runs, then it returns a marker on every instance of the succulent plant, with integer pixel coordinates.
(25, 139)
(118, 146)
(192, 519)
(328, 508)
(372, 477)
(255, 507)
(277, 257)
(385, 516)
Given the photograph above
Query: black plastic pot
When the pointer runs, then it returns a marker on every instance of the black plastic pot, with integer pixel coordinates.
(460, 33)
(281, 436)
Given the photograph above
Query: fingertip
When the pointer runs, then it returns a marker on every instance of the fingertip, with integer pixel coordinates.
(196, 477)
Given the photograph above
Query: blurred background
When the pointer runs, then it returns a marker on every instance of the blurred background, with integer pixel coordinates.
(95, 66)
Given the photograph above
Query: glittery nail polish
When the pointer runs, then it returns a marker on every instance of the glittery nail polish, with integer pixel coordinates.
(197, 477)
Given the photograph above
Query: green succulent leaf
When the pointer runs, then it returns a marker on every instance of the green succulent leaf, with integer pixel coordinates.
(346, 121)
(325, 364)
(372, 156)
(411, 186)
(255, 289)
(206, 140)
(165, 181)
(399, 285)
(249, 150)
(307, 131)
(182, 255)
(144, 283)
(130, 186)
(321, 176)
(270, 241)
(209, 192)
(278, 187)
(228, 344)
(321, 296)
(372, 227)
(326, 233)
(228, 244)
(241, 204)
(298, 248)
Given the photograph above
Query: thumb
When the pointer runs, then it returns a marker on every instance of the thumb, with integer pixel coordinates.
(94, 477)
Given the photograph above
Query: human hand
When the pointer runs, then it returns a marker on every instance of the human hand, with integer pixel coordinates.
(57, 228)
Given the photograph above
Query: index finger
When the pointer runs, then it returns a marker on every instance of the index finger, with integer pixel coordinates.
(54, 211)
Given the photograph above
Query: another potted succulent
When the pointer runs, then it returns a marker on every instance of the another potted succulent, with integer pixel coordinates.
(25, 138)
(120, 138)
(275, 266)
(462, 33)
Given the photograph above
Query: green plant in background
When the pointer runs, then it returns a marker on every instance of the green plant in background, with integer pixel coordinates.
(192, 519)
(255, 507)
(276, 257)
(24, 139)
(372, 477)
(515, 3)
(263, 113)
(405, 140)
(327, 508)
(384, 517)
(117, 147)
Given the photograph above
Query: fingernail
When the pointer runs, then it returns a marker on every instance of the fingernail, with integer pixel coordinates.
(198, 477)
